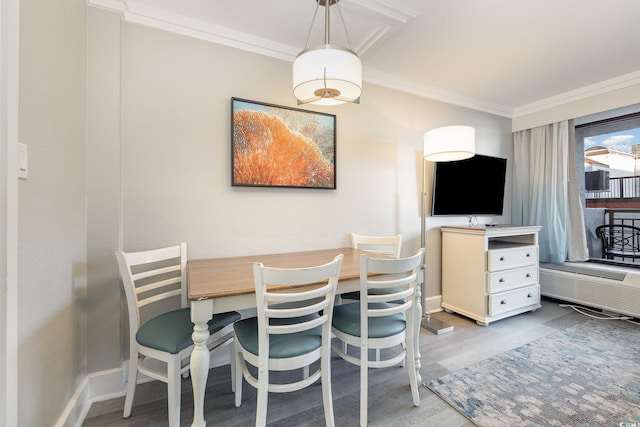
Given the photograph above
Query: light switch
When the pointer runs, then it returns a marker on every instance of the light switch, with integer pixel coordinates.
(23, 161)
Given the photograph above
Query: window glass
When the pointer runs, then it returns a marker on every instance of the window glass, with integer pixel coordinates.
(609, 153)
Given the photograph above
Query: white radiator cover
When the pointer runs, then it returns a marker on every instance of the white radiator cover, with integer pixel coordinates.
(616, 295)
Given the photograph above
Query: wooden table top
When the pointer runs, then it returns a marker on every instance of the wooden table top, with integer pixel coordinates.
(223, 277)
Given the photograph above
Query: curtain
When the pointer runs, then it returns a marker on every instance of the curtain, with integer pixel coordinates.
(545, 191)
(577, 247)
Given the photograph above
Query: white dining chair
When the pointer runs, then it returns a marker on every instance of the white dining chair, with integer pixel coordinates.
(378, 321)
(389, 246)
(152, 280)
(292, 330)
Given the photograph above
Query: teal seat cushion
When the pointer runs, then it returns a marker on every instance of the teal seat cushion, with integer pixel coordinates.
(280, 346)
(171, 331)
(346, 318)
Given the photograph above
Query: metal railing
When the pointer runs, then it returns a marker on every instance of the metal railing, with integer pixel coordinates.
(624, 187)
(624, 217)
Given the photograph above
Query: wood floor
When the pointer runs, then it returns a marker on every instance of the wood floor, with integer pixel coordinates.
(390, 401)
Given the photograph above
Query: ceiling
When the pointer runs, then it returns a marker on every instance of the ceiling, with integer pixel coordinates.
(507, 57)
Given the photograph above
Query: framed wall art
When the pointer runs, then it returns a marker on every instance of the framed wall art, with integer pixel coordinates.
(274, 146)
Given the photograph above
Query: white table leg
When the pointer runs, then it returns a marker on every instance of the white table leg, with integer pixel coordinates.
(200, 314)
(417, 318)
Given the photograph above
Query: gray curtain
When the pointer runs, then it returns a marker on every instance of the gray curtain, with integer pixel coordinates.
(545, 191)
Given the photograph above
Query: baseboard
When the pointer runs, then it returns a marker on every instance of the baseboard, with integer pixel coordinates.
(106, 385)
(77, 408)
(110, 383)
(432, 304)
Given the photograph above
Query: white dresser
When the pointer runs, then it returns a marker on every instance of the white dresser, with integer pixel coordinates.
(490, 272)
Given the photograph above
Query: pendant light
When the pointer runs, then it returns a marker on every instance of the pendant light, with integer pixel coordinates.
(327, 74)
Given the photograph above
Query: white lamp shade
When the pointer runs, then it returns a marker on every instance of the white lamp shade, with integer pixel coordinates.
(343, 78)
(449, 143)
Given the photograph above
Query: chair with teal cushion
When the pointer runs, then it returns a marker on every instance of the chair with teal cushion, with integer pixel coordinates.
(292, 330)
(379, 322)
(155, 281)
(388, 246)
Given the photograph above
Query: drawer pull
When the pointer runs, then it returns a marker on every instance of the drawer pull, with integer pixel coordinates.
(529, 295)
(528, 255)
(528, 274)
(501, 258)
(504, 301)
(501, 280)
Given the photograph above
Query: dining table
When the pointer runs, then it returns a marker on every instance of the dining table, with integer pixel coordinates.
(218, 285)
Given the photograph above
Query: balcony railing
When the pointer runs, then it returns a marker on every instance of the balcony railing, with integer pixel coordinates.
(625, 187)
(616, 216)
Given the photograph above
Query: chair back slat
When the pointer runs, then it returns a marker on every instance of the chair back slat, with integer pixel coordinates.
(392, 297)
(143, 302)
(382, 245)
(297, 327)
(287, 311)
(309, 293)
(144, 289)
(153, 271)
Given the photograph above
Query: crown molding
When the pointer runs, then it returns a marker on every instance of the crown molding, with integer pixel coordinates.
(432, 92)
(585, 92)
(388, 16)
(155, 18)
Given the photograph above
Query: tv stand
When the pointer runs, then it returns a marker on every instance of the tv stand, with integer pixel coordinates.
(490, 272)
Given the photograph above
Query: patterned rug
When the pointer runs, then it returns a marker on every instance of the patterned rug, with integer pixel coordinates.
(586, 375)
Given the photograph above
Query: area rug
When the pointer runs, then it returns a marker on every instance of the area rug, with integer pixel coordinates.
(585, 375)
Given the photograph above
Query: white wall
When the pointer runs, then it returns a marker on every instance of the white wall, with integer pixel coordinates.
(9, 45)
(104, 192)
(175, 168)
(52, 237)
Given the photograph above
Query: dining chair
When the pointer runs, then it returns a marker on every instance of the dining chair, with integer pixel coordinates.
(292, 330)
(382, 245)
(378, 322)
(153, 280)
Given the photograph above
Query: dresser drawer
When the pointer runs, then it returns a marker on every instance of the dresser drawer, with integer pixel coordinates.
(502, 259)
(503, 302)
(514, 278)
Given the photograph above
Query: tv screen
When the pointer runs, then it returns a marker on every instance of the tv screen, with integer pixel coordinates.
(473, 186)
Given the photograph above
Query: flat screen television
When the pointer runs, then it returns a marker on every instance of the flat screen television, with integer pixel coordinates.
(469, 187)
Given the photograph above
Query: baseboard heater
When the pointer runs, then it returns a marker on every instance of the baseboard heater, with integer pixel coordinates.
(603, 287)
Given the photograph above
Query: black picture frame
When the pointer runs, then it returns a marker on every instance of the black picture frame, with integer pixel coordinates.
(277, 146)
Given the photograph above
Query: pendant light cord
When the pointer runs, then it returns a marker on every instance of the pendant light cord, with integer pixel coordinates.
(327, 29)
(315, 13)
(344, 25)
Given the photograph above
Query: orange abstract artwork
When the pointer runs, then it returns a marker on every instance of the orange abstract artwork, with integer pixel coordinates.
(282, 147)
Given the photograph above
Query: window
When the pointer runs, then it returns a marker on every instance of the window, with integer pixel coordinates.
(609, 162)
